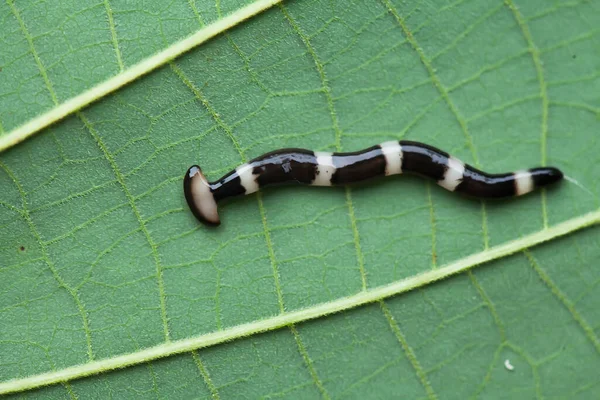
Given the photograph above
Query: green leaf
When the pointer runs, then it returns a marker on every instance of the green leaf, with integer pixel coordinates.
(102, 265)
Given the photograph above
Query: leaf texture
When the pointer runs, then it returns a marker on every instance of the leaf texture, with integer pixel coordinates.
(100, 256)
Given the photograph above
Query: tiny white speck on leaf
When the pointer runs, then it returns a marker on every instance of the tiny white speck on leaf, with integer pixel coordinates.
(508, 365)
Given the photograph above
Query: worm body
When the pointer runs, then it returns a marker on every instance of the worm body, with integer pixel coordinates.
(329, 169)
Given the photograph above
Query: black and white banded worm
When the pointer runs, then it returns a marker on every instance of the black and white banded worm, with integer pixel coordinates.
(328, 169)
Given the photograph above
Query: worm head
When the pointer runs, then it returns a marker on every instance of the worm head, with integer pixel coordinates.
(199, 196)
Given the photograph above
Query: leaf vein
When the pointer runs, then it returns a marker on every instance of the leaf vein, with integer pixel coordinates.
(113, 34)
(565, 301)
(56, 275)
(308, 362)
(539, 69)
(263, 216)
(293, 317)
(410, 354)
(33, 51)
(146, 65)
(338, 137)
(446, 96)
(205, 375)
(136, 212)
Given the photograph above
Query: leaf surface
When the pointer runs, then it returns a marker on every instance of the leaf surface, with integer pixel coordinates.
(100, 256)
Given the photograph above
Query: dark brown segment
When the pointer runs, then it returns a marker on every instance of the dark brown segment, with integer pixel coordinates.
(297, 165)
(545, 176)
(229, 185)
(358, 166)
(423, 159)
(479, 184)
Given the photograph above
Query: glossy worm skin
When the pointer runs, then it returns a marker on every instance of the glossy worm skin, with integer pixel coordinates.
(329, 169)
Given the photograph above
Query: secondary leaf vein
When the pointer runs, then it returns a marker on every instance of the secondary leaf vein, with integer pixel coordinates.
(535, 55)
(587, 328)
(142, 224)
(316, 311)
